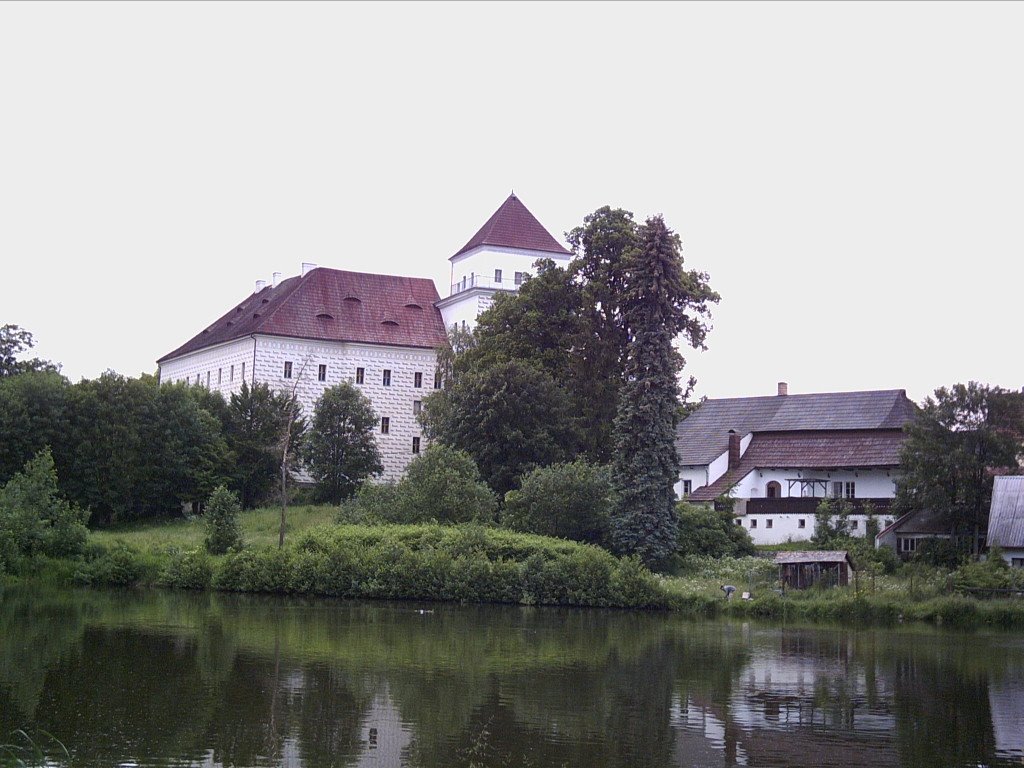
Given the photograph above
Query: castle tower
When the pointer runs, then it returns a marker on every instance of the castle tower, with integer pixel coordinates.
(497, 258)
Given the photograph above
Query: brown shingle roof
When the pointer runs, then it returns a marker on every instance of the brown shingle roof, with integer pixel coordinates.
(513, 226)
(333, 305)
(810, 450)
(703, 435)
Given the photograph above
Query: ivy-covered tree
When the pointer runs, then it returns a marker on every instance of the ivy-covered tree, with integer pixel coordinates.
(953, 445)
(341, 451)
(659, 300)
(509, 417)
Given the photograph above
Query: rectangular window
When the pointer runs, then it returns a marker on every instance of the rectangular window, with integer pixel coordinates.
(801, 523)
(288, 369)
(851, 488)
(243, 371)
(207, 379)
(321, 374)
(437, 379)
(837, 490)
(738, 521)
(1017, 562)
(415, 445)
(768, 523)
(417, 380)
(497, 275)
(520, 276)
(687, 487)
(385, 425)
(387, 378)
(220, 374)
(417, 406)
(907, 545)
(197, 379)
(753, 523)
(360, 372)
(232, 374)
(854, 524)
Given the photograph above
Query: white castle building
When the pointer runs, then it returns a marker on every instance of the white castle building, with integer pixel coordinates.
(379, 332)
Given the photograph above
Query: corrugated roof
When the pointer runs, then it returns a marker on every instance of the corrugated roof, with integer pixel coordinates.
(704, 434)
(1006, 515)
(333, 305)
(513, 226)
(810, 450)
(811, 556)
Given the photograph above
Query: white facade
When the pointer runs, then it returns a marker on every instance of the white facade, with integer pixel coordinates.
(265, 358)
(480, 273)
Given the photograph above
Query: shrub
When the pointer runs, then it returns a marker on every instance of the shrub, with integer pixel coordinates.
(711, 533)
(190, 569)
(221, 516)
(570, 501)
(943, 553)
(444, 484)
(120, 565)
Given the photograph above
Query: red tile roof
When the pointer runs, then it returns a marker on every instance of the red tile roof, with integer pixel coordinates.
(810, 450)
(333, 305)
(513, 226)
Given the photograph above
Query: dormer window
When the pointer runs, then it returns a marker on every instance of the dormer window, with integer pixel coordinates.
(324, 316)
(389, 321)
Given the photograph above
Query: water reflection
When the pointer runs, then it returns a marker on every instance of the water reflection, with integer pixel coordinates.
(159, 678)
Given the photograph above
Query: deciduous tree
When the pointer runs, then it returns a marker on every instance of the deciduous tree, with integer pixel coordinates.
(341, 451)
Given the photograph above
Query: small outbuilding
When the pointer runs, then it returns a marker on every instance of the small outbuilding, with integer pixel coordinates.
(799, 570)
(1006, 518)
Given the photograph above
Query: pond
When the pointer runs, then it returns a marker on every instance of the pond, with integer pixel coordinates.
(171, 678)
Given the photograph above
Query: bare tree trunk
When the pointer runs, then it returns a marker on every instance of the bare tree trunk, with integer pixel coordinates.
(284, 497)
(286, 444)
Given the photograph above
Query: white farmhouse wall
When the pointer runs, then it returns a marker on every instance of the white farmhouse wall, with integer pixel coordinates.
(221, 366)
(396, 401)
(698, 477)
(870, 483)
(718, 467)
(787, 527)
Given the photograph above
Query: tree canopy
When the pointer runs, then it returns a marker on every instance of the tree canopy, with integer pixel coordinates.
(341, 451)
(14, 341)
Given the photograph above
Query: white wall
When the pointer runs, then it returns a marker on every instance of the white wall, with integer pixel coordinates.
(341, 359)
(786, 527)
(698, 477)
(870, 483)
(482, 261)
(465, 307)
(215, 362)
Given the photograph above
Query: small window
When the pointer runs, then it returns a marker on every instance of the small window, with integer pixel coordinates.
(753, 523)
(837, 490)
(360, 373)
(851, 489)
(437, 379)
(497, 275)
(417, 406)
(1017, 562)
(907, 545)
(520, 277)
(768, 523)
(220, 376)
(417, 380)
(854, 524)
(288, 369)
(321, 374)
(243, 370)
(231, 376)
(386, 379)
(385, 425)
(207, 379)
(773, 490)
(738, 521)
(415, 445)
(801, 523)
(197, 379)
(687, 487)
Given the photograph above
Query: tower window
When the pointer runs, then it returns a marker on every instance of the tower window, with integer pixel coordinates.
(288, 369)
(385, 425)
(360, 373)
(387, 377)
(520, 277)
(497, 275)
(321, 374)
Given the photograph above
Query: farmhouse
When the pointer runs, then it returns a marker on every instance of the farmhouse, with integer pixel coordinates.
(777, 457)
(379, 332)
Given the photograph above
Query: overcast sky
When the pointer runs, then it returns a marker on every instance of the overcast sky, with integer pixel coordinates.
(851, 176)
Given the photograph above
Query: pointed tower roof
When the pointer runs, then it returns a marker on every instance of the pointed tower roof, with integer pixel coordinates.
(513, 226)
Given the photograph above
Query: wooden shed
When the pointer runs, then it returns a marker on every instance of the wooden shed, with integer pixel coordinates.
(799, 570)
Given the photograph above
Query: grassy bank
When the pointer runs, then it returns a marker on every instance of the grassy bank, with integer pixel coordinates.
(478, 564)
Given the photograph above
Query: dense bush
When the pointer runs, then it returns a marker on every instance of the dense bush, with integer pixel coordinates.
(570, 501)
(191, 569)
(119, 565)
(704, 531)
(993, 573)
(34, 519)
(942, 553)
(221, 517)
(434, 563)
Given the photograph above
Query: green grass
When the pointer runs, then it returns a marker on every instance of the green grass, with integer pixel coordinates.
(259, 528)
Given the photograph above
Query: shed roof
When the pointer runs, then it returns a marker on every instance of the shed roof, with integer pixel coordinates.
(811, 556)
(1006, 515)
(333, 305)
(704, 434)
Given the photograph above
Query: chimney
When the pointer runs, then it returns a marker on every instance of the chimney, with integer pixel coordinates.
(783, 389)
(307, 266)
(276, 279)
(260, 285)
(734, 448)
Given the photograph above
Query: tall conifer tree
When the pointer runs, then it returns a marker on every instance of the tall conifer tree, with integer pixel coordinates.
(659, 301)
